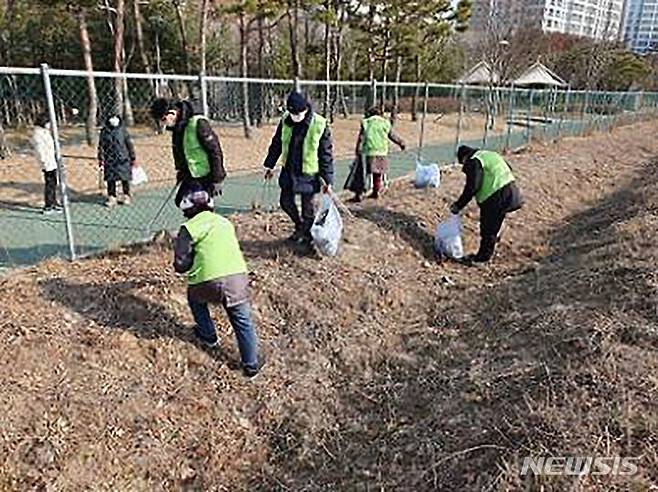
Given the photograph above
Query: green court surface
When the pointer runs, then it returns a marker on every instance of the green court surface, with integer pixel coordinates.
(29, 237)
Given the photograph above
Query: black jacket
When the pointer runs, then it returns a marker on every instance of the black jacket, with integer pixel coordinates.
(472, 168)
(291, 176)
(116, 152)
(209, 142)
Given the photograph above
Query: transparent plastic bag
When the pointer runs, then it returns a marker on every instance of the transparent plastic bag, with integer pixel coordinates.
(448, 239)
(427, 175)
(327, 228)
(138, 176)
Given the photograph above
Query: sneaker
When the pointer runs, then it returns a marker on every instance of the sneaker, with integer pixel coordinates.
(111, 202)
(252, 372)
(126, 200)
(355, 199)
(48, 211)
(207, 342)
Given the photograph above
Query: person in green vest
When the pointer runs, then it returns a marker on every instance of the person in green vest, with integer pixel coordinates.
(303, 144)
(372, 143)
(197, 151)
(490, 180)
(207, 250)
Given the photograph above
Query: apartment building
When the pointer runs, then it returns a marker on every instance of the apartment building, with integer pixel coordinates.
(641, 26)
(597, 19)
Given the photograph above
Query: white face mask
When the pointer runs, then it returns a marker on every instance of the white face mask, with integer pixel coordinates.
(298, 118)
(47, 126)
(114, 121)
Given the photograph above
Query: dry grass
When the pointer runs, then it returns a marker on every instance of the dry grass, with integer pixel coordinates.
(385, 370)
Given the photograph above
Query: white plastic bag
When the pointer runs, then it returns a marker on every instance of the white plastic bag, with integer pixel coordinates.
(138, 176)
(427, 175)
(327, 227)
(448, 239)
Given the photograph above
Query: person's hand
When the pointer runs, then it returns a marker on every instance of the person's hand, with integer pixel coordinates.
(269, 174)
(454, 209)
(133, 163)
(403, 147)
(326, 188)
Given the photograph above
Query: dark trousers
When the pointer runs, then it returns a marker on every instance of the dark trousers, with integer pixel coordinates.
(492, 215)
(491, 220)
(50, 188)
(112, 188)
(240, 318)
(287, 202)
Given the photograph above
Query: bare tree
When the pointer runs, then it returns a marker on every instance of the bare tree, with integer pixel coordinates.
(183, 34)
(203, 24)
(293, 26)
(139, 35)
(92, 97)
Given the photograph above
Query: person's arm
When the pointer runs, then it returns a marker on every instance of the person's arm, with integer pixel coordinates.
(326, 157)
(473, 170)
(210, 143)
(39, 149)
(274, 152)
(359, 142)
(183, 251)
(101, 157)
(396, 139)
(130, 147)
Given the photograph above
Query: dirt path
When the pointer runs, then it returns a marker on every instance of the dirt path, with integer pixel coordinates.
(385, 369)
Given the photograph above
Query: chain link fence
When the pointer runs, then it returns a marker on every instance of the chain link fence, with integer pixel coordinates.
(433, 120)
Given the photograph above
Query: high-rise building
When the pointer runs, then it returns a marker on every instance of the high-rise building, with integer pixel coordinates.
(641, 25)
(597, 19)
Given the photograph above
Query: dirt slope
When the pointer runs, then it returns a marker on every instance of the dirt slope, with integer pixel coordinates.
(385, 369)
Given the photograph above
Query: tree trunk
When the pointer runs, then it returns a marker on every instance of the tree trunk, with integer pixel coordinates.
(202, 34)
(414, 100)
(183, 35)
(4, 149)
(262, 91)
(382, 93)
(244, 74)
(396, 91)
(327, 58)
(92, 97)
(118, 51)
(293, 20)
(339, 96)
(139, 35)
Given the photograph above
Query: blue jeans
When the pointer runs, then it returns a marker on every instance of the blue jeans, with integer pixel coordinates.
(243, 326)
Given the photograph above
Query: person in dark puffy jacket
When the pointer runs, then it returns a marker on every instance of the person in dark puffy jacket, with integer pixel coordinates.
(303, 144)
(197, 151)
(116, 155)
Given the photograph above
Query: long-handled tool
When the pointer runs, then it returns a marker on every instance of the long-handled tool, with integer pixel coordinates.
(162, 207)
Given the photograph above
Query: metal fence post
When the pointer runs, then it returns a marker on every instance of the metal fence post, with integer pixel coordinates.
(422, 121)
(487, 115)
(462, 99)
(527, 130)
(204, 94)
(61, 171)
(510, 118)
(584, 114)
(565, 111)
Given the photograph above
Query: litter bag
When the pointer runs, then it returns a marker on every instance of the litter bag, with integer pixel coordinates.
(427, 175)
(448, 239)
(138, 176)
(327, 227)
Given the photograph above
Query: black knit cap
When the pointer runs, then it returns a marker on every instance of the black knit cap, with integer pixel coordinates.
(296, 103)
(464, 152)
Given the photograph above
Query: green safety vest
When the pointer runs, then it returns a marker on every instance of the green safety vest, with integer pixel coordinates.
(496, 174)
(310, 161)
(216, 250)
(375, 131)
(195, 154)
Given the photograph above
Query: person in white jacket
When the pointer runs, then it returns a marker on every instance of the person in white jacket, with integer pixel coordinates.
(44, 150)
